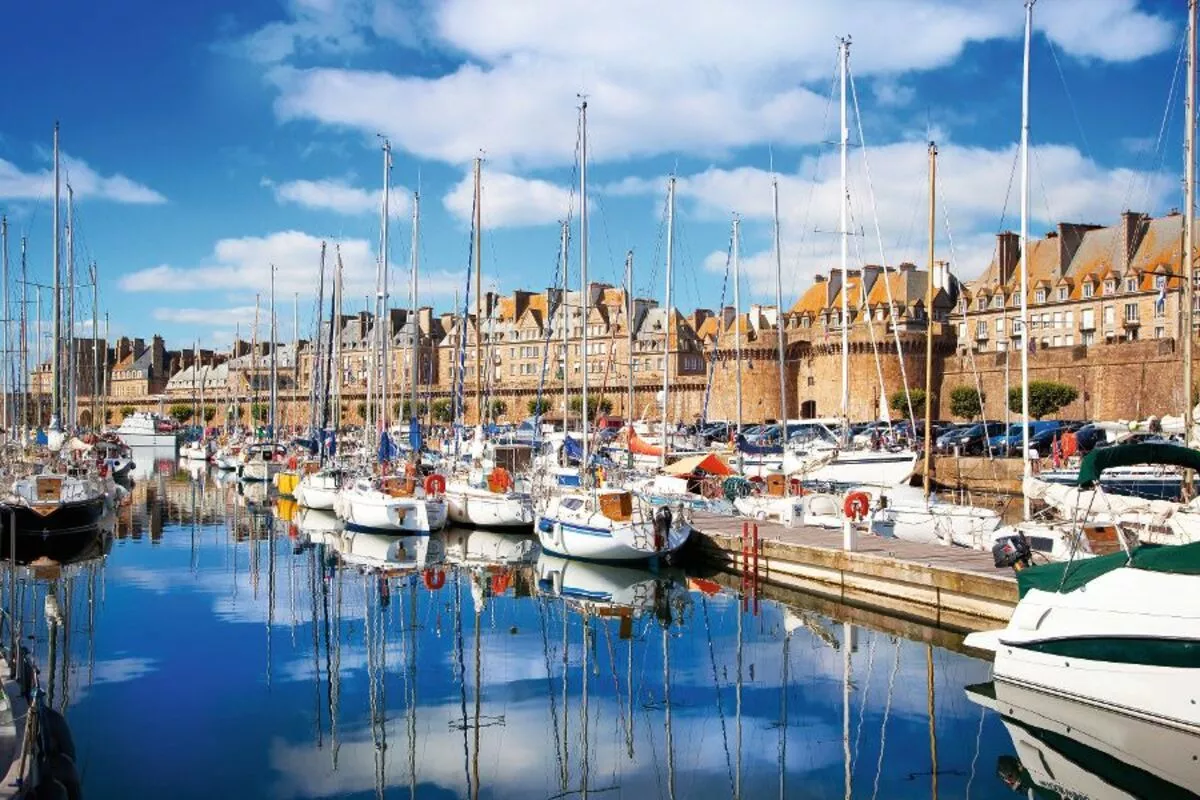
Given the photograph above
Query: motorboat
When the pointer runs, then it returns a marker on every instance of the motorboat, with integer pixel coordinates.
(261, 461)
(228, 458)
(144, 429)
(195, 451)
(394, 504)
(609, 524)
(904, 512)
(1070, 749)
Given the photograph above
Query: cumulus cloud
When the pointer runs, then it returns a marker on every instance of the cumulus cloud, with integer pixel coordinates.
(701, 77)
(86, 182)
(339, 196)
(510, 201)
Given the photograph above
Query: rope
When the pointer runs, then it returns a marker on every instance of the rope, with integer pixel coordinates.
(712, 362)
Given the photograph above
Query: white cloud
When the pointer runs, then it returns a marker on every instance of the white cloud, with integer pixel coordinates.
(510, 201)
(337, 195)
(211, 317)
(700, 77)
(16, 184)
(329, 26)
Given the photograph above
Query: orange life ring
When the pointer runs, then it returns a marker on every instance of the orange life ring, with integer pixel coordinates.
(500, 583)
(434, 578)
(500, 480)
(435, 485)
(857, 505)
(1069, 445)
(292, 463)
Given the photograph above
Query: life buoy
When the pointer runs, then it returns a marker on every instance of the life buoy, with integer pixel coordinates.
(434, 578)
(500, 583)
(293, 462)
(857, 505)
(500, 480)
(435, 485)
(1069, 445)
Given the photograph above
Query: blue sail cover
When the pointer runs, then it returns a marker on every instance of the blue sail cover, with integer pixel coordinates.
(330, 442)
(387, 448)
(573, 448)
(414, 435)
(758, 450)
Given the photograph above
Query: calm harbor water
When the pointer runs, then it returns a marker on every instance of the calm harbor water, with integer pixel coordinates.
(220, 644)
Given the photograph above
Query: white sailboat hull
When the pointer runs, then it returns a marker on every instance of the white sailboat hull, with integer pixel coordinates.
(470, 505)
(375, 511)
(259, 471)
(586, 533)
(317, 491)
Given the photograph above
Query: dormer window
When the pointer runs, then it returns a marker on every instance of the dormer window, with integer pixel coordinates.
(1131, 284)
(1110, 286)
(1039, 296)
(1160, 282)
(1089, 289)
(982, 304)
(1062, 293)
(998, 301)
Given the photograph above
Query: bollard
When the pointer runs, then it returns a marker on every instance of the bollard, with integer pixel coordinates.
(849, 536)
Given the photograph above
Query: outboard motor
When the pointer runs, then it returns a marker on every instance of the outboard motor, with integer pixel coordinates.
(662, 526)
(1012, 551)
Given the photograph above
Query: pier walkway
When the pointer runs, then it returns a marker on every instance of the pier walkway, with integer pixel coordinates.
(949, 586)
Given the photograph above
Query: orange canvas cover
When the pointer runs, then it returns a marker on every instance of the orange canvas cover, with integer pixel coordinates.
(640, 446)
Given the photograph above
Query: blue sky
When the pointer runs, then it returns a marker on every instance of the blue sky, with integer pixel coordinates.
(207, 140)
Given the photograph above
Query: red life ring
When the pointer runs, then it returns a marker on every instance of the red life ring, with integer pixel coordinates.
(292, 463)
(500, 480)
(435, 485)
(434, 579)
(857, 505)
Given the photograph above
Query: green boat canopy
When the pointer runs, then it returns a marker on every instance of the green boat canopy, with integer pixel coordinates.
(1127, 455)
(1063, 576)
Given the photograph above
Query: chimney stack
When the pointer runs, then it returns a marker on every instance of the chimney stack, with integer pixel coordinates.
(1008, 253)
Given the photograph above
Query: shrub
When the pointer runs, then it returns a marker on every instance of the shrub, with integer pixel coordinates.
(966, 402)
(1045, 398)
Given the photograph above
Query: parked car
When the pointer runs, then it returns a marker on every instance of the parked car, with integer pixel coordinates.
(1009, 442)
(1041, 444)
(974, 439)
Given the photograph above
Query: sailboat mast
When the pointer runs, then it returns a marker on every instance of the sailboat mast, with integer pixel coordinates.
(782, 354)
(274, 393)
(7, 355)
(95, 341)
(24, 335)
(630, 311)
(1025, 339)
(564, 254)
(670, 320)
(478, 289)
(844, 63)
(385, 318)
(929, 289)
(737, 323)
(584, 299)
(414, 357)
(55, 379)
(337, 341)
(69, 416)
(1189, 222)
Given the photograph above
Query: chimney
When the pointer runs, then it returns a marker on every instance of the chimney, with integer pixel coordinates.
(1070, 237)
(1008, 253)
(699, 316)
(124, 349)
(425, 319)
(727, 315)
(937, 276)
(447, 320)
(520, 303)
(1133, 228)
(870, 273)
(835, 285)
(907, 266)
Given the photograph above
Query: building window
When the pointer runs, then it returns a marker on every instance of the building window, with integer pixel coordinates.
(1110, 316)
(1089, 289)
(1087, 338)
(1062, 293)
(1159, 332)
(1058, 319)
(999, 301)
(1160, 282)
(1069, 340)
(1110, 286)
(1131, 312)
(981, 330)
(1039, 296)
(1131, 284)
(1000, 329)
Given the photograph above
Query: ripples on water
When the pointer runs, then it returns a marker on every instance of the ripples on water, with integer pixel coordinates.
(213, 648)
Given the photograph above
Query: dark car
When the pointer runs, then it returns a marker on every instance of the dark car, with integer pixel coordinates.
(716, 432)
(1042, 442)
(973, 440)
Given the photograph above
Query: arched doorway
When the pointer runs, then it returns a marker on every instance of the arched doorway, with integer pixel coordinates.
(85, 418)
(808, 409)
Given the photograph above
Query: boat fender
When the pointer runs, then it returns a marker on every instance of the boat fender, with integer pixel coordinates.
(56, 734)
(293, 462)
(434, 579)
(60, 769)
(857, 505)
(435, 486)
(734, 487)
(662, 526)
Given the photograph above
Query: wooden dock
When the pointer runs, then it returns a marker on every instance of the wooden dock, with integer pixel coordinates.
(947, 586)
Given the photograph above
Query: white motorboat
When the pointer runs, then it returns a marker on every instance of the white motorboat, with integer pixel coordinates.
(261, 462)
(1121, 632)
(609, 524)
(903, 512)
(393, 504)
(143, 429)
(817, 509)
(319, 489)
(194, 451)
(1071, 749)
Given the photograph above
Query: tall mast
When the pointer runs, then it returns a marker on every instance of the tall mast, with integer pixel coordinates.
(564, 255)
(295, 350)
(844, 62)
(95, 342)
(670, 319)
(24, 341)
(478, 301)
(630, 312)
(1189, 222)
(737, 324)
(319, 377)
(254, 365)
(414, 354)
(385, 317)
(337, 341)
(782, 354)
(1025, 338)
(107, 374)
(584, 300)
(274, 339)
(7, 355)
(929, 289)
(69, 416)
(55, 388)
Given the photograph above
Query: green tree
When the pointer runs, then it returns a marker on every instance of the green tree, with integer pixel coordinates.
(443, 410)
(403, 410)
(127, 410)
(210, 412)
(1045, 398)
(259, 412)
(966, 402)
(361, 408)
(899, 403)
(596, 405)
(497, 408)
(538, 406)
(180, 412)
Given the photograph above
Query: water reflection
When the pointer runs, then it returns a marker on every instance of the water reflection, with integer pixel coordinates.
(233, 640)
